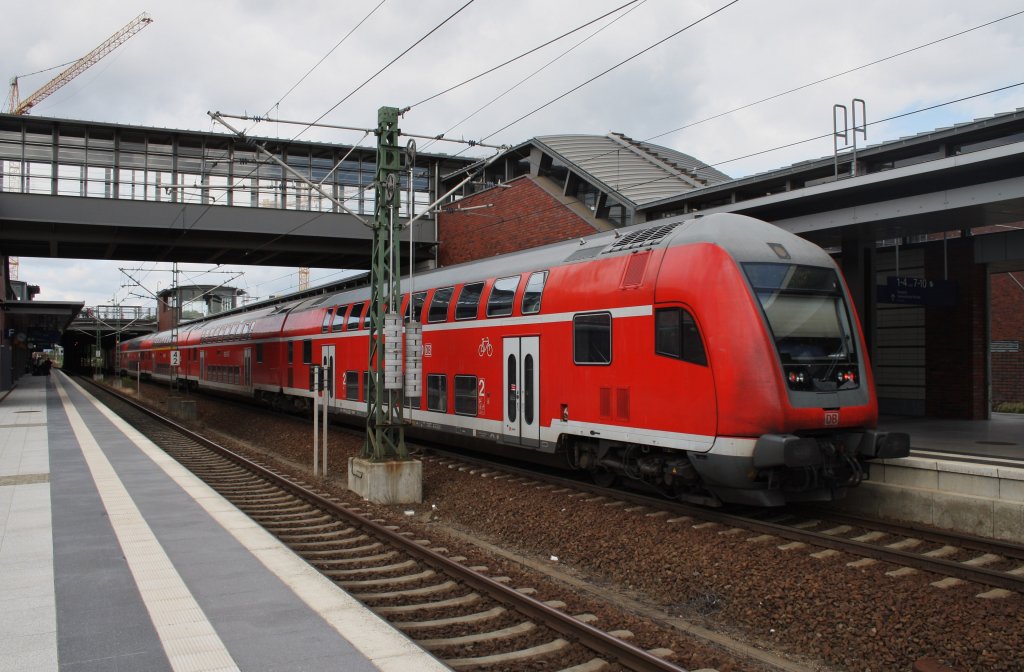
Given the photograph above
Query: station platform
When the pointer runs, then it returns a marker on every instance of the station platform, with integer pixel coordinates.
(114, 557)
(963, 475)
(999, 440)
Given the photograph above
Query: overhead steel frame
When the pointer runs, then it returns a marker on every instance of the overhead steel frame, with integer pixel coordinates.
(385, 433)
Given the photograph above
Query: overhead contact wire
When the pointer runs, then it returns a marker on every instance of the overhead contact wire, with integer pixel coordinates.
(522, 55)
(534, 74)
(325, 57)
(388, 65)
(614, 67)
(838, 74)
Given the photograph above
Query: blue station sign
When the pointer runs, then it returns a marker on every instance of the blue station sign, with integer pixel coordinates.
(918, 291)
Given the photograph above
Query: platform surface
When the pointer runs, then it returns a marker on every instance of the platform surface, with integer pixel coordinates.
(999, 439)
(113, 557)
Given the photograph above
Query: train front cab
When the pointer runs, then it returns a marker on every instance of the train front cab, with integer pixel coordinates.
(828, 406)
(795, 396)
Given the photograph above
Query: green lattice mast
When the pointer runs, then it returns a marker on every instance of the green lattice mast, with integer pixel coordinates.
(385, 434)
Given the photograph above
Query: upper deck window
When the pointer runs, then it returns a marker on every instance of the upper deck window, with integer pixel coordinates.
(533, 292)
(352, 323)
(503, 294)
(339, 318)
(418, 299)
(439, 304)
(469, 301)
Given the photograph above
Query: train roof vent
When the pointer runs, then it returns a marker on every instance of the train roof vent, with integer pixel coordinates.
(636, 240)
(585, 253)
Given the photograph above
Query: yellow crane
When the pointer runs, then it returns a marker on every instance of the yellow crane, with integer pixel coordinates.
(17, 106)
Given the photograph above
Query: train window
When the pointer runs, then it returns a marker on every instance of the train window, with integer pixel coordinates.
(352, 385)
(437, 392)
(592, 338)
(528, 389)
(532, 293)
(465, 395)
(369, 314)
(353, 317)
(503, 294)
(418, 299)
(510, 392)
(339, 318)
(366, 385)
(439, 304)
(327, 322)
(676, 335)
(259, 353)
(291, 350)
(469, 301)
(307, 351)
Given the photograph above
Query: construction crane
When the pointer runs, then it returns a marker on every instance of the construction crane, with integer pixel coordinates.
(17, 106)
(304, 278)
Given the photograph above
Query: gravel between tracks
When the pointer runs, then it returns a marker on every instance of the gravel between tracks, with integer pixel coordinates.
(818, 611)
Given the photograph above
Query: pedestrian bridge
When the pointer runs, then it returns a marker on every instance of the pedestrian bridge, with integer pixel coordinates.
(89, 190)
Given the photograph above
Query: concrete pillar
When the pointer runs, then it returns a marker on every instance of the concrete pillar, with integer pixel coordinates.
(957, 336)
(857, 262)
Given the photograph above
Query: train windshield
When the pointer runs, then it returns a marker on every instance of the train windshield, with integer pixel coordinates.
(810, 323)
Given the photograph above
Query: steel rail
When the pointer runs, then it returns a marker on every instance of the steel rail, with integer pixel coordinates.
(972, 542)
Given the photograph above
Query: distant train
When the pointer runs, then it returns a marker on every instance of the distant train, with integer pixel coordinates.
(718, 359)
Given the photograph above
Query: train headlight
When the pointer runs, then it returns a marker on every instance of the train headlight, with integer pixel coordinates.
(796, 376)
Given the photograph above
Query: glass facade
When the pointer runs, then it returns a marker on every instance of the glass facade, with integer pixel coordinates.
(57, 158)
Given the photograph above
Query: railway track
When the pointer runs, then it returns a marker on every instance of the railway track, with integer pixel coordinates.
(957, 558)
(462, 615)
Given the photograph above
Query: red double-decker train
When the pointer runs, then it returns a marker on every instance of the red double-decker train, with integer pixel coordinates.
(718, 359)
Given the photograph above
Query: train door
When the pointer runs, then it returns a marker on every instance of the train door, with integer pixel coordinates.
(327, 360)
(522, 390)
(202, 365)
(247, 369)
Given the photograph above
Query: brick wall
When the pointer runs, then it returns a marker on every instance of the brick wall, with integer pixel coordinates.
(955, 359)
(523, 215)
(1008, 325)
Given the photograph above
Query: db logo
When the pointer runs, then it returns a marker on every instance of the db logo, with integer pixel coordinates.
(831, 418)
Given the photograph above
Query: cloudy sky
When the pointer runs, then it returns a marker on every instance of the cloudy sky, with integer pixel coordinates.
(245, 57)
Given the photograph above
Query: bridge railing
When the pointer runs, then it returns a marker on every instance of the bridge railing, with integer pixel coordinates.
(119, 314)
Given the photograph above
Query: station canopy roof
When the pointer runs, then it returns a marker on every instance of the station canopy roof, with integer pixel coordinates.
(639, 172)
(42, 317)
